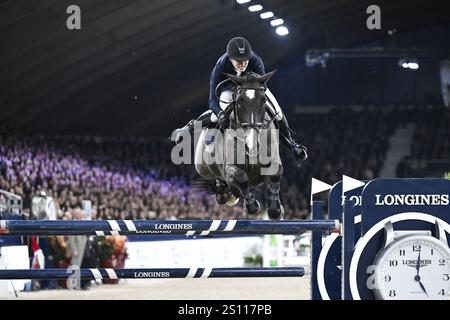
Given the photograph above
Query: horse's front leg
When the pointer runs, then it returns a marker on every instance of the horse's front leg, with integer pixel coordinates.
(275, 208)
(239, 180)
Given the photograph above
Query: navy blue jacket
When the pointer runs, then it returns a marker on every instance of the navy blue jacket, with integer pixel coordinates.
(224, 64)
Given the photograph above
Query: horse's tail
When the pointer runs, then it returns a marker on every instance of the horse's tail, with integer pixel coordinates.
(204, 185)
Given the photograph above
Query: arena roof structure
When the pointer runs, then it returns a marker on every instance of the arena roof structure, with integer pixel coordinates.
(135, 65)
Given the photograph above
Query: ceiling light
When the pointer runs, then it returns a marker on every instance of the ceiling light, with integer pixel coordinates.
(256, 7)
(413, 65)
(266, 15)
(408, 63)
(282, 31)
(276, 22)
(242, 1)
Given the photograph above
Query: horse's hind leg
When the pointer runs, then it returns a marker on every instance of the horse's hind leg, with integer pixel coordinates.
(251, 205)
(275, 208)
(222, 191)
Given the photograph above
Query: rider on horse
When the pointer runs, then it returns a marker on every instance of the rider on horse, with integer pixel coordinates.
(240, 60)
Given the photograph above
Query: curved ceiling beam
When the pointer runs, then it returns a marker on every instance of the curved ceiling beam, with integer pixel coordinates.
(122, 89)
(100, 63)
(104, 40)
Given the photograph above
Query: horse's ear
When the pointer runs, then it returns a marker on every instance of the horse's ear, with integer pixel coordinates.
(237, 80)
(264, 78)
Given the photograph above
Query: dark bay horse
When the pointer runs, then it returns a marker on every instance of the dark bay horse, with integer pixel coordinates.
(235, 161)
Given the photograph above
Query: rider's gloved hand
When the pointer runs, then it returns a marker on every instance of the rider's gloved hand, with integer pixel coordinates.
(300, 152)
(224, 120)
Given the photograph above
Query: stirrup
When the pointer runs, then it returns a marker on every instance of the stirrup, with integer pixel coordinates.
(300, 152)
(189, 127)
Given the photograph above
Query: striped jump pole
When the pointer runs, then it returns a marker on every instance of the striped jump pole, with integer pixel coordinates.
(160, 273)
(164, 227)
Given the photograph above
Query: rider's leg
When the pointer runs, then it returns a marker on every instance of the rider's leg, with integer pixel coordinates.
(285, 133)
(286, 138)
(226, 97)
(204, 119)
(281, 121)
(208, 117)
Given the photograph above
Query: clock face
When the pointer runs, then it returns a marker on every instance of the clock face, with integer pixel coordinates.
(414, 267)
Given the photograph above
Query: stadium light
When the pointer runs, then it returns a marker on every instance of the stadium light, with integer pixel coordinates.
(266, 15)
(256, 7)
(413, 65)
(276, 22)
(408, 63)
(282, 31)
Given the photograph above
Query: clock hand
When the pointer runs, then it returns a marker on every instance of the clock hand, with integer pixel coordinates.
(423, 288)
(417, 278)
(418, 265)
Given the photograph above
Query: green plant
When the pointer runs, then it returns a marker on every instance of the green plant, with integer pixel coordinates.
(58, 248)
(104, 247)
(111, 247)
(447, 175)
(254, 259)
(303, 247)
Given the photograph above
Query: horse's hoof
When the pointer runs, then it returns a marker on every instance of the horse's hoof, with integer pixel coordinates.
(220, 187)
(232, 201)
(253, 207)
(276, 213)
(221, 198)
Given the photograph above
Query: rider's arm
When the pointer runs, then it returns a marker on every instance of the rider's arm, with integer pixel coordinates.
(214, 80)
(258, 65)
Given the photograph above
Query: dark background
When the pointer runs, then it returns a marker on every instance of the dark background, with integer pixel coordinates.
(142, 67)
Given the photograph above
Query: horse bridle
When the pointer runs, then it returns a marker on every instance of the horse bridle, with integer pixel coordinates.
(232, 106)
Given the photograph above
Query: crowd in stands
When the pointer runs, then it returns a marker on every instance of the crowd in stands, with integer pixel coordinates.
(430, 149)
(123, 178)
(134, 178)
(343, 140)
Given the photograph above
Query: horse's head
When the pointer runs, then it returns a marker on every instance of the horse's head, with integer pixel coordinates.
(249, 109)
(250, 99)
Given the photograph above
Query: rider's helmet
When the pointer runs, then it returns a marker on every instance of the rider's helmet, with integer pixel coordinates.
(239, 49)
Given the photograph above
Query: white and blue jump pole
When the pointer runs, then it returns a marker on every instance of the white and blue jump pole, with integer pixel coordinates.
(164, 227)
(159, 273)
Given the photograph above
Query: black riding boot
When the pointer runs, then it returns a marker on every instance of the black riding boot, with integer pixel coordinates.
(204, 119)
(288, 142)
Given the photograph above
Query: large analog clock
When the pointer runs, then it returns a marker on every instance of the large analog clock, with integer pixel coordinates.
(413, 267)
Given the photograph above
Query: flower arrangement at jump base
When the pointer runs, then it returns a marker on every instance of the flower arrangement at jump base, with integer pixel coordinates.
(112, 253)
(61, 255)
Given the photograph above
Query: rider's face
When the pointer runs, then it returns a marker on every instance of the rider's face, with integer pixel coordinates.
(239, 65)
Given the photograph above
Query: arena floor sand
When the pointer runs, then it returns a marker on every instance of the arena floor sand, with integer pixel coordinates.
(185, 289)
